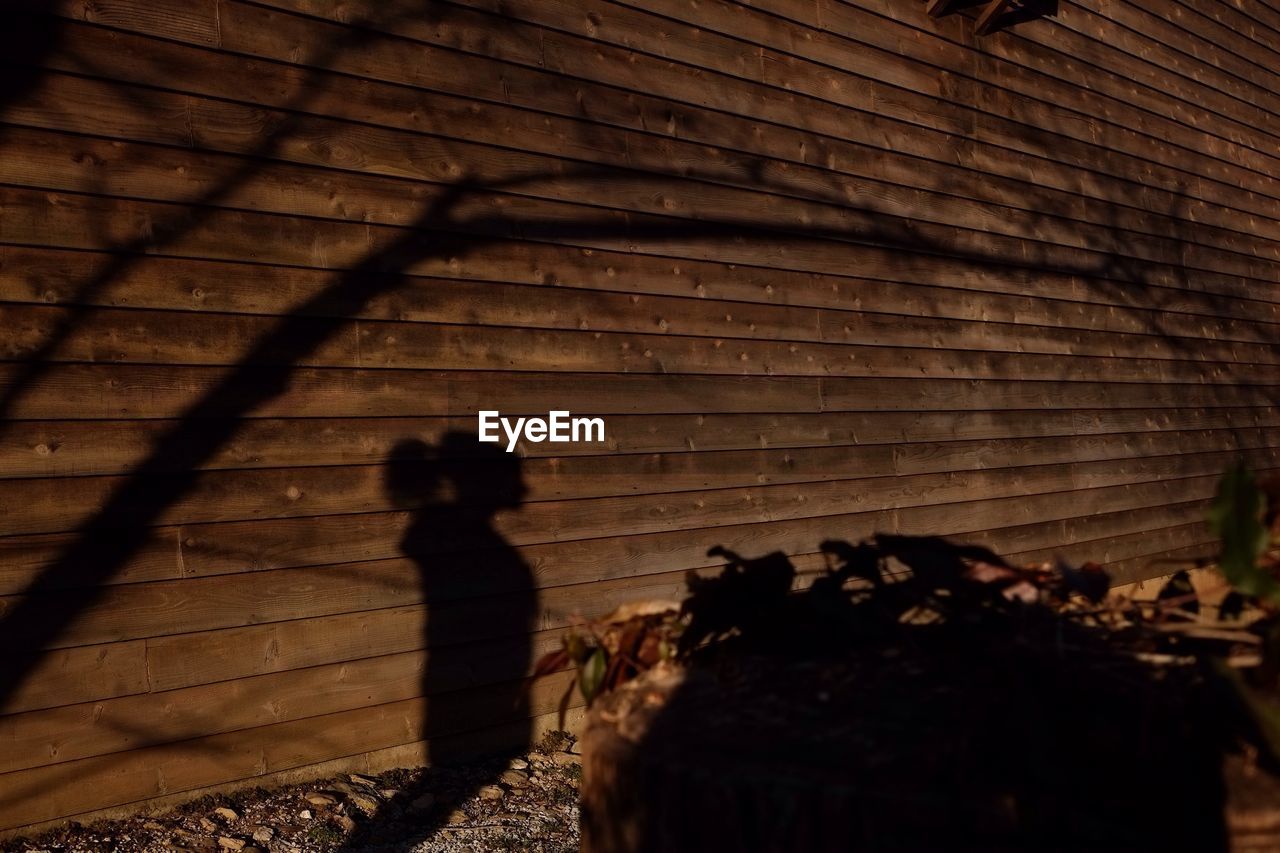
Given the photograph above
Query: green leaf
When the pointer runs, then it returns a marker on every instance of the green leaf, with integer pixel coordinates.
(1236, 517)
(592, 675)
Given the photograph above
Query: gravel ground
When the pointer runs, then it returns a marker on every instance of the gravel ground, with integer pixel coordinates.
(528, 803)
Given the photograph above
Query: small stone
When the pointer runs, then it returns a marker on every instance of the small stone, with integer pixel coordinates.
(230, 843)
(305, 814)
(360, 779)
(318, 799)
(207, 825)
(389, 793)
(457, 816)
(564, 759)
(226, 813)
(491, 792)
(423, 802)
(518, 764)
(263, 834)
(514, 778)
(347, 824)
(575, 748)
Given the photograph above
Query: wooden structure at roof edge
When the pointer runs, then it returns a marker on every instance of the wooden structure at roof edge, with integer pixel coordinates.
(823, 268)
(995, 14)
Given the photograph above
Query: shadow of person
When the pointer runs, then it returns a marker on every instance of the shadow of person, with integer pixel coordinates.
(480, 607)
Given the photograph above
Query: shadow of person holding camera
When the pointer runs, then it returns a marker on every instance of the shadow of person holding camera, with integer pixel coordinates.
(480, 605)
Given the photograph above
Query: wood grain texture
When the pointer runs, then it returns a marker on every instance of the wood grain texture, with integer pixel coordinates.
(72, 163)
(371, 540)
(629, 486)
(887, 92)
(825, 267)
(44, 793)
(139, 610)
(34, 449)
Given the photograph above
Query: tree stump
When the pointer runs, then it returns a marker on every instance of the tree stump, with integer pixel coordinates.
(648, 787)
(902, 750)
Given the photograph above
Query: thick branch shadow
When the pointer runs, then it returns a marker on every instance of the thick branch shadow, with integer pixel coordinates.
(115, 533)
(29, 35)
(35, 35)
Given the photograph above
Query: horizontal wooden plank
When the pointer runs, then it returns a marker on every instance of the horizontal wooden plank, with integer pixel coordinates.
(1211, 57)
(339, 590)
(252, 650)
(57, 505)
(1213, 40)
(103, 391)
(180, 659)
(96, 728)
(487, 741)
(1043, 63)
(1142, 71)
(186, 660)
(119, 46)
(123, 336)
(1107, 538)
(414, 303)
(168, 552)
(544, 287)
(1060, 133)
(936, 504)
(1029, 63)
(1119, 554)
(196, 22)
(1158, 52)
(100, 728)
(77, 391)
(113, 109)
(106, 447)
(60, 790)
(220, 549)
(51, 506)
(841, 394)
(1042, 83)
(379, 253)
(78, 164)
(1258, 21)
(1161, 563)
(83, 674)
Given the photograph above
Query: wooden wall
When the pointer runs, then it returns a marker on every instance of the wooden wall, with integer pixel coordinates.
(824, 267)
